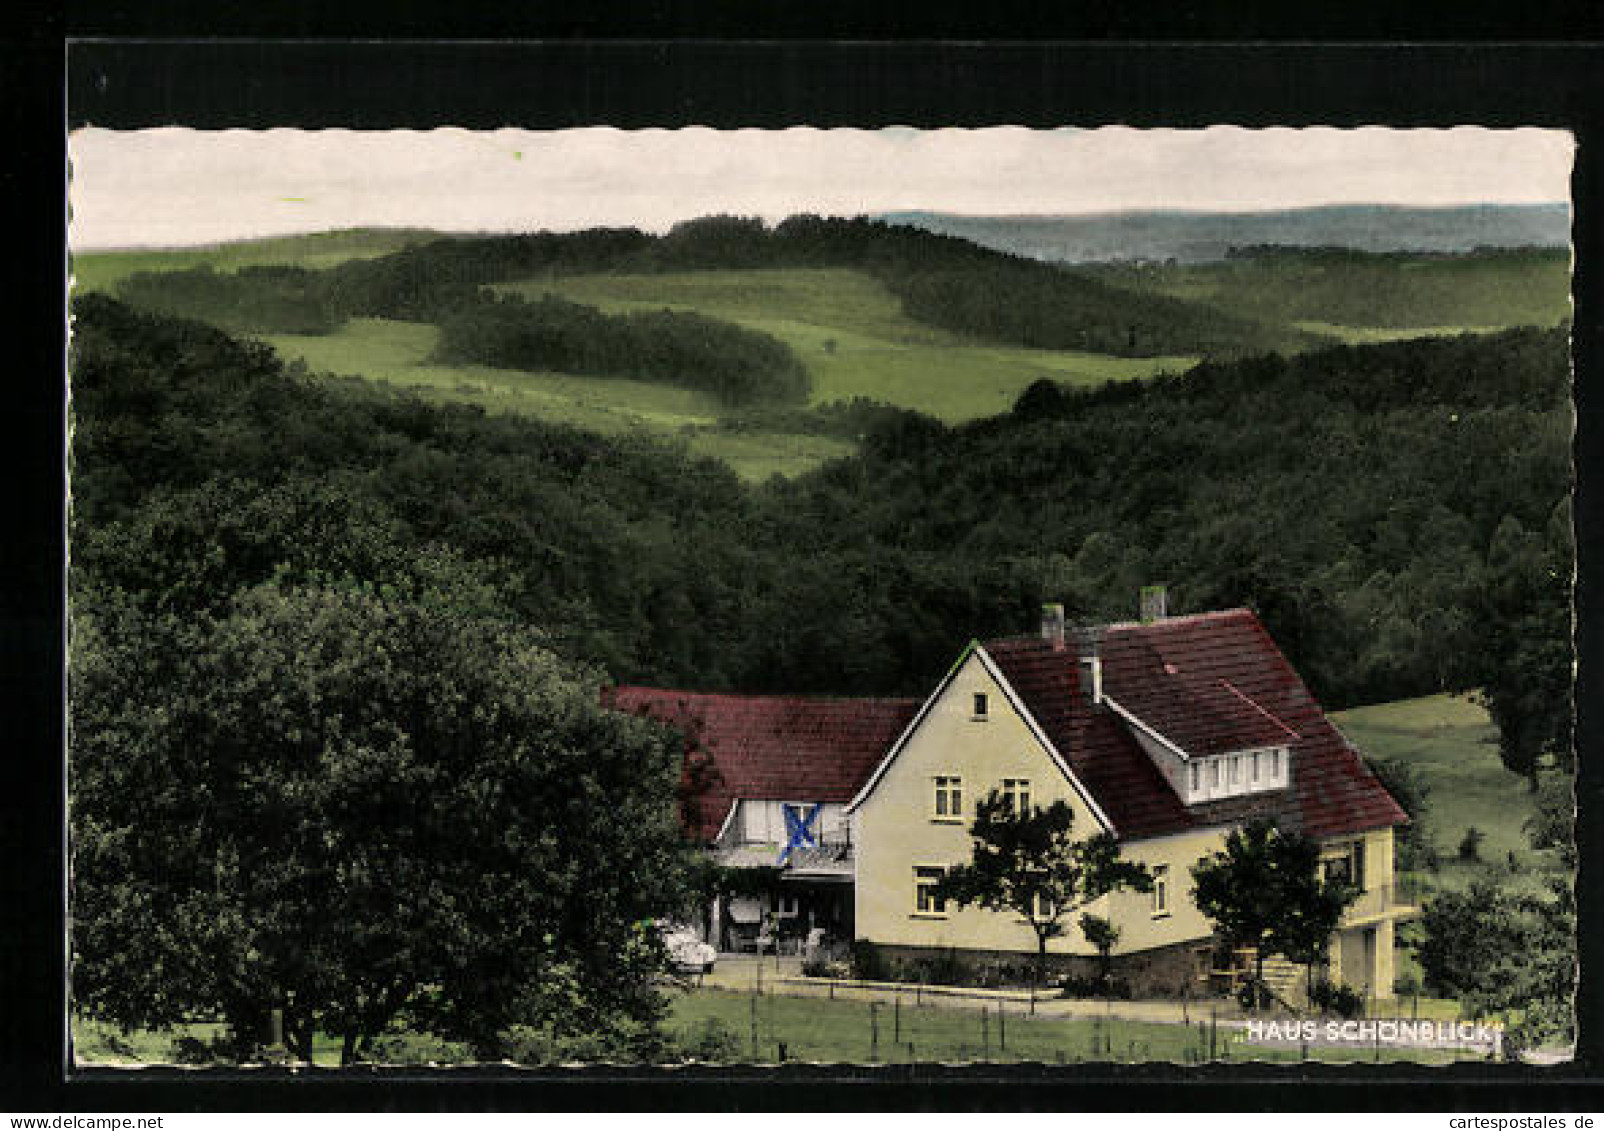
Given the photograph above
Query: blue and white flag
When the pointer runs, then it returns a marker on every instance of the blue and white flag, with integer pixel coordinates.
(799, 829)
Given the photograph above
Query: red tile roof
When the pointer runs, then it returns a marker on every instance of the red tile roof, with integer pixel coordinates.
(1225, 668)
(773, 748)
(1209, 683)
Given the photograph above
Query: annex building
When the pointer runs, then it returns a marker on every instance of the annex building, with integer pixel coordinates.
(1167, 732)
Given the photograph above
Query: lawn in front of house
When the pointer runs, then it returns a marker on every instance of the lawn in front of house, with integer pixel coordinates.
(820, 1030)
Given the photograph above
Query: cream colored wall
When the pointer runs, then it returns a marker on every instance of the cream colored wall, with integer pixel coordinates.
(1132, 912)
(895, 833)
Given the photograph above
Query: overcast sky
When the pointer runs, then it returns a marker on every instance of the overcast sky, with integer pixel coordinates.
(171, 187)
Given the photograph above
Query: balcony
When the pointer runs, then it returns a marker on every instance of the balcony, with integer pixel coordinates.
(1394, 900)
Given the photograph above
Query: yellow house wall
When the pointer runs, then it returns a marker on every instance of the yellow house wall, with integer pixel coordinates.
(896, 831)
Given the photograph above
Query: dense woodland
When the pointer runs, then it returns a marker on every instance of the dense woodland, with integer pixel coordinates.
(1397, 514)
(739, 367)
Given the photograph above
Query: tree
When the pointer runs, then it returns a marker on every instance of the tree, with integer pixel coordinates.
(348, 806)
(1030, 865)
(1265, 891)
(1311, 911)
(1103, 934)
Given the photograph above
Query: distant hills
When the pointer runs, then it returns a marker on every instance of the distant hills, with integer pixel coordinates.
(1200, 237)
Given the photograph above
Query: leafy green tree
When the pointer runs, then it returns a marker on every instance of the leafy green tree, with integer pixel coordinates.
(1265, 891)
(1104, 935)
(350, 805)
(1030, 864)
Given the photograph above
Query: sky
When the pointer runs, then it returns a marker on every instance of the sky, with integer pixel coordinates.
(176, 187)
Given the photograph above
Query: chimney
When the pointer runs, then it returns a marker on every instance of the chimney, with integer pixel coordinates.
(1155, 603)
(1088, 651)
(1052, 626)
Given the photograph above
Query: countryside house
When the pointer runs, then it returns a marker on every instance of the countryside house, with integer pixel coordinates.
(1167, 732)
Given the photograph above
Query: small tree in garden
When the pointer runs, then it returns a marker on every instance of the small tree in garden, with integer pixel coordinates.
(1102, 934)
(1265, 891)
(1028, 864)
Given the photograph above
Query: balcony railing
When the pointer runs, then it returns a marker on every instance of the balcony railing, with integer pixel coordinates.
(1395, 897)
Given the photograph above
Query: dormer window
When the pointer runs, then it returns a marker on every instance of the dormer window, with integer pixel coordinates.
(1231, 775)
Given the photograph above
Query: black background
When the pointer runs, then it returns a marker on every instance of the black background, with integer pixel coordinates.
(780, 64)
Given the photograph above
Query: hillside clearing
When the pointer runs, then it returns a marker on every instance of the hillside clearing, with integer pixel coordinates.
(398, 354)
(1452, 743)
(853, 338)
(103, 270)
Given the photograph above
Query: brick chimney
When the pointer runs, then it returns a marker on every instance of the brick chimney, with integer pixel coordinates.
(1052, 626)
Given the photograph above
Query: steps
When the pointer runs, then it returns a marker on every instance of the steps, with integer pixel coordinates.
(1288, 980)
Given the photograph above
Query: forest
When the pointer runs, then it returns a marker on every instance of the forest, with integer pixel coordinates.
(1398, 515)
(739, 367)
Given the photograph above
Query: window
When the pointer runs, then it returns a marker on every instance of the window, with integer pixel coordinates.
(925, 899)
(1236, 768)
(1345, 863)
(1016, 794)
(1255, 767)
(1161, 890)
(980, 704)
(788, 907)
(1214, 773)
(1197, 777)
(949, 799)
(1275, 764)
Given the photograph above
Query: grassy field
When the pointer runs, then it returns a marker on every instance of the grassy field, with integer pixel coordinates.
(1453, 745)
(770, 1028)
(102, 270)
(853, 338)
(1369, 335)
(398, 353)
(821, 1030)
(1346, 294)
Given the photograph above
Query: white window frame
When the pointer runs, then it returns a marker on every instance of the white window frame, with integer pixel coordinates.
(1161, 891)
(925, 876)
(947, 792)
(1016, 792)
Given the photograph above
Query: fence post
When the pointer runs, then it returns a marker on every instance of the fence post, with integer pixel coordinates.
(985, 1034)
(896, 1018)
(874, 1030)
(1002, 1029)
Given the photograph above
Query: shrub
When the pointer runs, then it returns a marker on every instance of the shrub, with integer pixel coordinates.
(1332, 997)
(1083, 986)
(869, 962)
(943, 969)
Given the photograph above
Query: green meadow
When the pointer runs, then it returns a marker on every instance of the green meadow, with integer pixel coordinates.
(103, 270)
(853, 337)
(399, 354)
(1360, 297)
(1453, 745)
